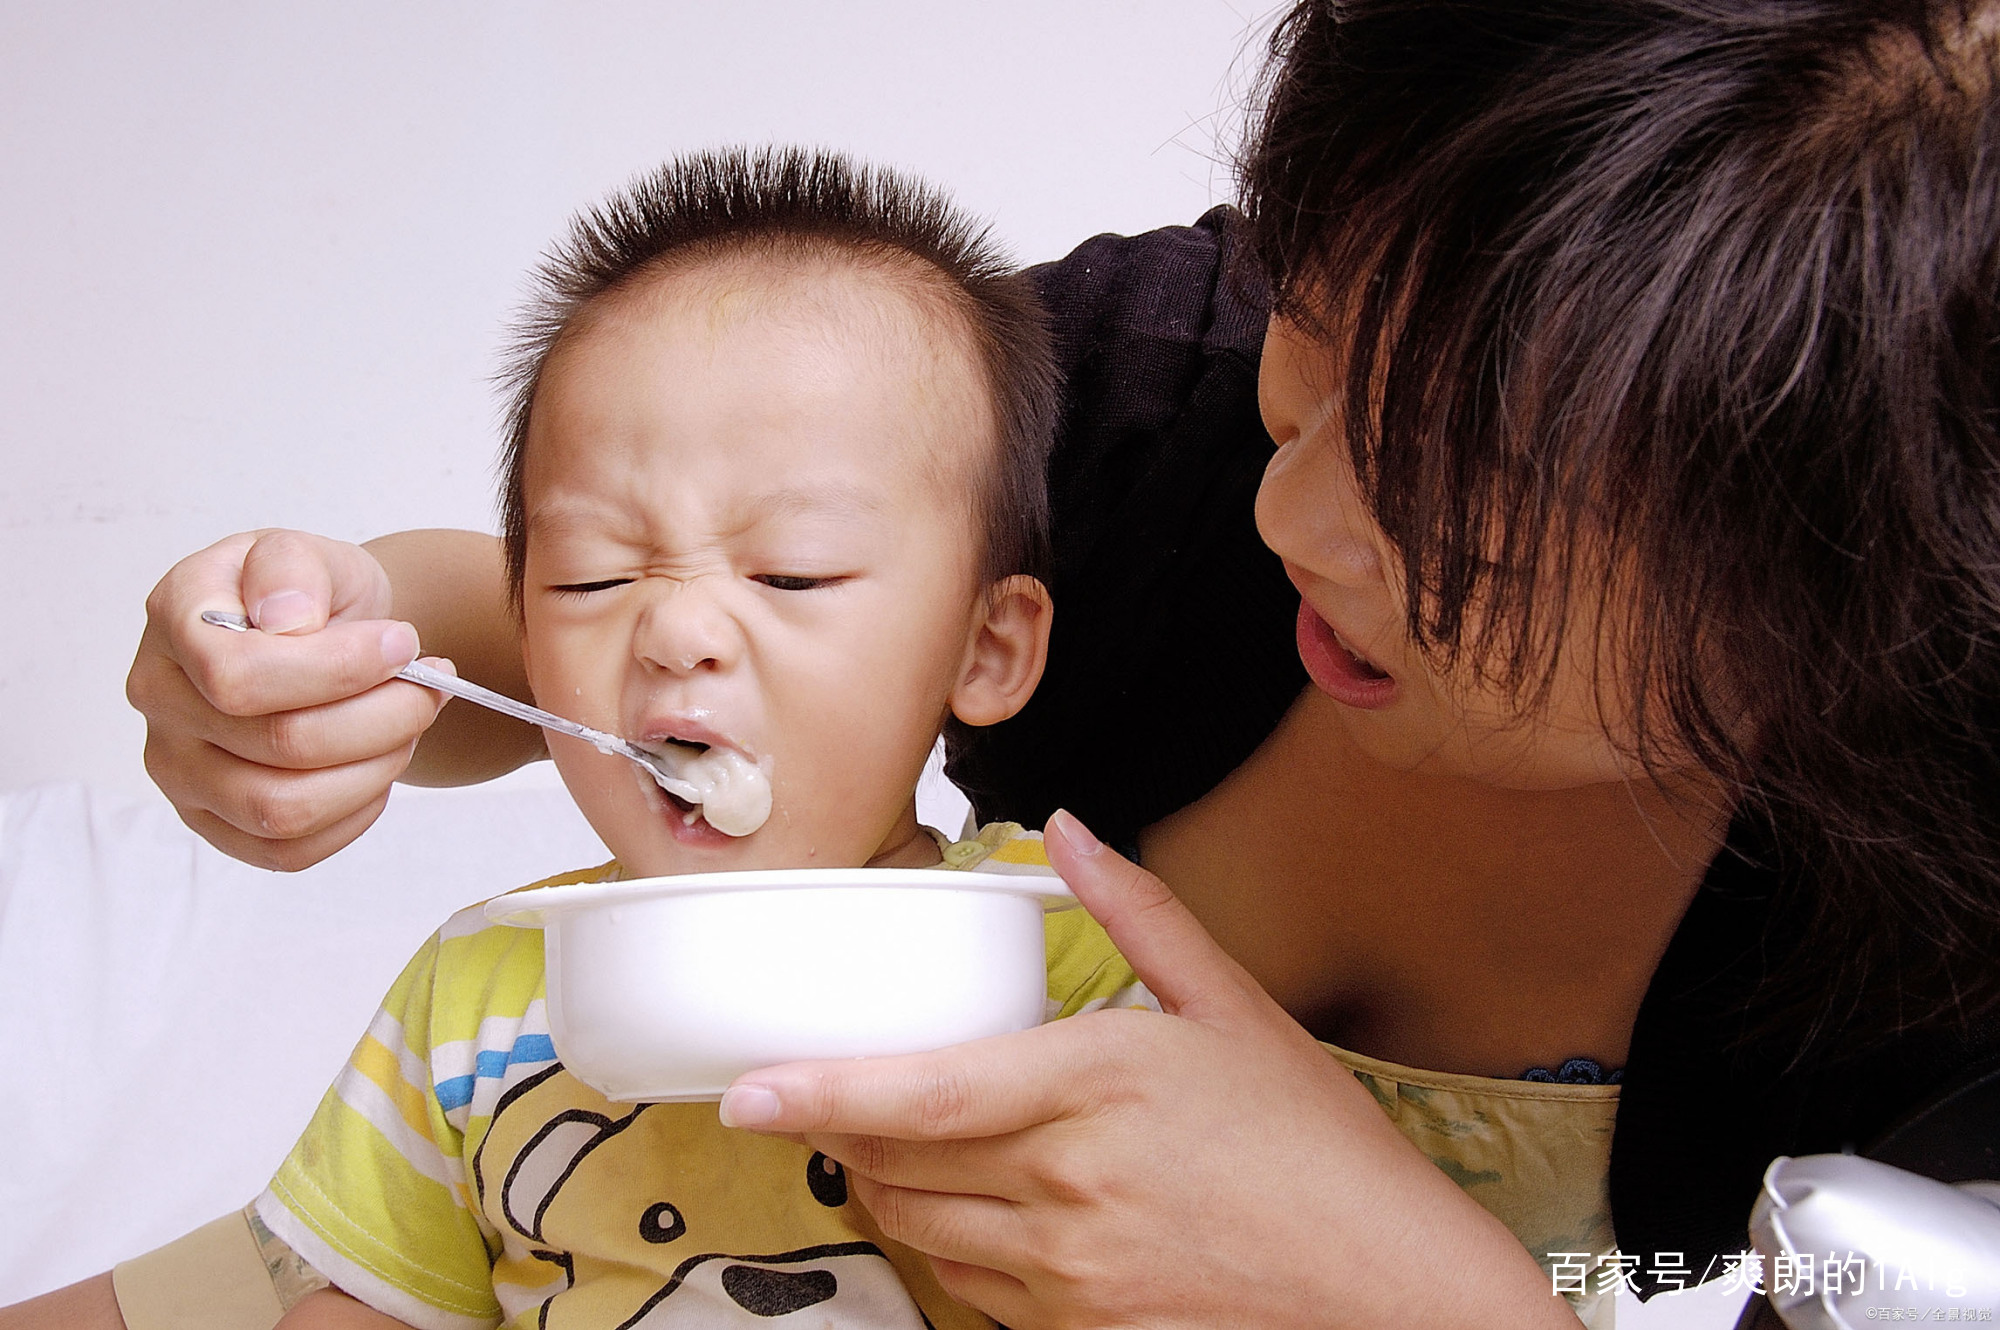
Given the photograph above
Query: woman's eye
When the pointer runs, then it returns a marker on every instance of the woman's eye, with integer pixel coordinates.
(585, 588)
(788, 582)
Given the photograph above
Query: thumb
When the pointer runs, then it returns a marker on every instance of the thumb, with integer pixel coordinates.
(1167, 947)
(294, 582)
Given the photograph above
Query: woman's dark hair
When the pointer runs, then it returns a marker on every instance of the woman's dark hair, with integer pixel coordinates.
(1685, 310)
(792, 202)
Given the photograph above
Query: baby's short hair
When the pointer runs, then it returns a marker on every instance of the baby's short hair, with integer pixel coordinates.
(797, 201)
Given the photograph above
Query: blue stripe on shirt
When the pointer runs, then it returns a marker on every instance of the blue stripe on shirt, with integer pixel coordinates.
(492, 1063)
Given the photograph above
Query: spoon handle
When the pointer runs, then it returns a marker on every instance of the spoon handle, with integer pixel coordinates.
(419, 673)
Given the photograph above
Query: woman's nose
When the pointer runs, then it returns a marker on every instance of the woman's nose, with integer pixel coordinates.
(685, 629)
(1310, 511)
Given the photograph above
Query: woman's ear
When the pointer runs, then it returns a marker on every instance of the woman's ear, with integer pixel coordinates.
(1009, 647)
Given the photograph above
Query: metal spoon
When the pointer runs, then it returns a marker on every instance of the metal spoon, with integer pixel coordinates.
(419, 673)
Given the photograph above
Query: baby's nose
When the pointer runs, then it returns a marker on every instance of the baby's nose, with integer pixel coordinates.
(686, 629)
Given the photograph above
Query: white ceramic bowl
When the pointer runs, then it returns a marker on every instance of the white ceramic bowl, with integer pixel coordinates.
(668, 988)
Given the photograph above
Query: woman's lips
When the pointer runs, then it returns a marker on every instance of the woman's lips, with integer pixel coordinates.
(1336, 671)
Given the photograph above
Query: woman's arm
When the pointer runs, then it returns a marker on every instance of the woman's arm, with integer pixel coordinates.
(1209, 1166)
(279, 746)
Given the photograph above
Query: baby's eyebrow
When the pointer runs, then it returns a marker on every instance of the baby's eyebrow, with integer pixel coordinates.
(824, 499)
(835, 500)
(567, 516)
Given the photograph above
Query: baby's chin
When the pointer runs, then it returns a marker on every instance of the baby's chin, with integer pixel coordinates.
(656, 839)
(760, 851)
(654, 860)
(716, 853)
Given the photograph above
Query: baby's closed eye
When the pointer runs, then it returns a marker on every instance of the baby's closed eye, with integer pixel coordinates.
(796, 581)
(585, 588)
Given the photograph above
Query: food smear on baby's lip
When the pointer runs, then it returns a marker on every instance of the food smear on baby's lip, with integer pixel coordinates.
(731, 792)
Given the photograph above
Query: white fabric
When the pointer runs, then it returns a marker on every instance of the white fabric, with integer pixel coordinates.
(173, 1016)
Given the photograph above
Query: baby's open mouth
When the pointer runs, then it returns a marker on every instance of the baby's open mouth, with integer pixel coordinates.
(690, 812)
(734, 793)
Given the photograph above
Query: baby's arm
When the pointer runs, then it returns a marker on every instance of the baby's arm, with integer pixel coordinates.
(378, 1195)
(330, 1309)
(88, 1304)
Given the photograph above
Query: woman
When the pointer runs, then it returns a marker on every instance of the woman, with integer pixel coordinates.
(1633, 515)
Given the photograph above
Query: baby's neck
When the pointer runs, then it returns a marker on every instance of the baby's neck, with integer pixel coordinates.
(908, 845)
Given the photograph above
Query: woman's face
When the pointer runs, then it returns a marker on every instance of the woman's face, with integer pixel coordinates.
(1398, 707)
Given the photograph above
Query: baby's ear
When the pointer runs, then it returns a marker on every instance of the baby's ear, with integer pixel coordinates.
(1004, 660)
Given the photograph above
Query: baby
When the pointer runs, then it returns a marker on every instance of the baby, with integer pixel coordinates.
(773, 486)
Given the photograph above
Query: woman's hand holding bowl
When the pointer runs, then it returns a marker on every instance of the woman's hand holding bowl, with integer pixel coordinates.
(1209, 1166)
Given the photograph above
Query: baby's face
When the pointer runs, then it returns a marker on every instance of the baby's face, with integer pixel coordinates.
(747, 527)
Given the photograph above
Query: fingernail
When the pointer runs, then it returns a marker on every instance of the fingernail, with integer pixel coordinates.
(1074, 833)
(399, 645)
(282, 611)
(748, 1106)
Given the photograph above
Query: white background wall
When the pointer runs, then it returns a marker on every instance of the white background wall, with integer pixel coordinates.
(256, 258)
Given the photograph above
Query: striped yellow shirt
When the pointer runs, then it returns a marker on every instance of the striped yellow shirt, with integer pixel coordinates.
(456, 1176)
